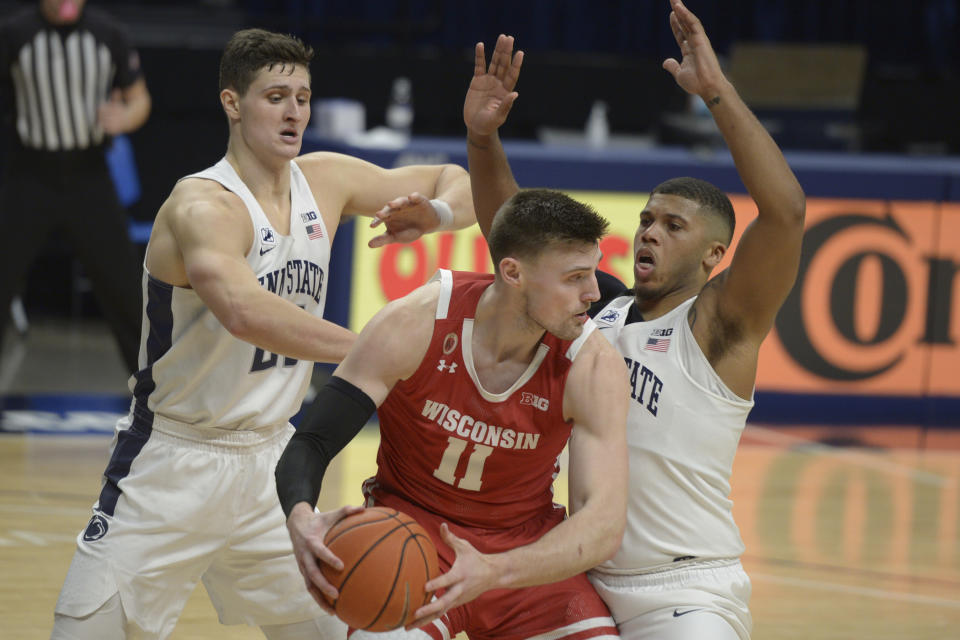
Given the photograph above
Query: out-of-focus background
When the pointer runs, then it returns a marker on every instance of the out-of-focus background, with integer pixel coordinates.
(861, 94)
(846, 485)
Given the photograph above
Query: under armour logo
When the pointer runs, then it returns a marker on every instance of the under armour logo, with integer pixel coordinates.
(449, 367)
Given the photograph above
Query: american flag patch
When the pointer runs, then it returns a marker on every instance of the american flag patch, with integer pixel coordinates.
(314, 231)
(658, 344)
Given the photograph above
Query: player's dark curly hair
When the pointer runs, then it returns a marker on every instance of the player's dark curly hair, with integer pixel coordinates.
(250, 50)
(534, 220)
(711, 199)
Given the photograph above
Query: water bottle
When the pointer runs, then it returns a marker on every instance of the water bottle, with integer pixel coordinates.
(400, 108)
(598, 128)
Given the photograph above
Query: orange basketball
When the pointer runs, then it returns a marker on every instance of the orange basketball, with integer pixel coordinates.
(387, 559)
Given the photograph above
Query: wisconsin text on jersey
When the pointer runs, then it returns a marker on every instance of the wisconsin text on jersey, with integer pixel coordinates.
(297, 276)
(477, 430)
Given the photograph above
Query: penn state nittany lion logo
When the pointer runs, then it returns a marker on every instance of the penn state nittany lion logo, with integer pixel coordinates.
(96, 528)
(609, 316)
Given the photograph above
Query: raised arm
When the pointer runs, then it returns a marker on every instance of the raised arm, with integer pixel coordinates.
(400, 198)
(596, 401)
(764, 267)
(485, 109)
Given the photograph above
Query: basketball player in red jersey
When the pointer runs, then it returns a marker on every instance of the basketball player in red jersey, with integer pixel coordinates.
(480, 381)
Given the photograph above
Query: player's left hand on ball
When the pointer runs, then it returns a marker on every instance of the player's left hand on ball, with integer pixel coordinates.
(406, 218)
(307, 530)
(470, 576)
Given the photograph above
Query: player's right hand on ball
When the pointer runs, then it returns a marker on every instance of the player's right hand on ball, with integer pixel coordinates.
(471, 575)
(307, 529)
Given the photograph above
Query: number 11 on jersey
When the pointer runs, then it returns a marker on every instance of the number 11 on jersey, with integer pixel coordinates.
(471, 480)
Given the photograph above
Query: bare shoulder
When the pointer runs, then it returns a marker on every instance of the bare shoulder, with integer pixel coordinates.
(597, 382)
(598, 357)
(199, 201)
(394, 342)
(198, 213)
(411, 315)
(595, 396)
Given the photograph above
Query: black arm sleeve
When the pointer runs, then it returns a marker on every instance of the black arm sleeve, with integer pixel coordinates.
(337, 414)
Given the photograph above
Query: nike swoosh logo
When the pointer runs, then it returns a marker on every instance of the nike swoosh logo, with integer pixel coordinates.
(677, 613)
(263, 251)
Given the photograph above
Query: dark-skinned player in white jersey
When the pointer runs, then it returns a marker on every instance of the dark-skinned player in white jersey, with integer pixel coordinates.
(690, 341)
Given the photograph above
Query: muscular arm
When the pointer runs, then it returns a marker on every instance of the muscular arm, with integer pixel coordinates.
(360, 383)
(366, 188)
(491, 178)
(765, 264)
(485, 109)
(764, 267)
(596, 400)
(201, 239)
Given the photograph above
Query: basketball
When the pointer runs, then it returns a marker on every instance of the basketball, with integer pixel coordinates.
(387, 559)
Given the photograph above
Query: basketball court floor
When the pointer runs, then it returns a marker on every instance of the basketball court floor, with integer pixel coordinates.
(843, 542)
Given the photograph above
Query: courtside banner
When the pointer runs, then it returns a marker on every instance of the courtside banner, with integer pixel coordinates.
(875, 309)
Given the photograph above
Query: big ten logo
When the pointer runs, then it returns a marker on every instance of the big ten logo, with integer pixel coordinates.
(872, 305)
(534, 400)
(850, 509)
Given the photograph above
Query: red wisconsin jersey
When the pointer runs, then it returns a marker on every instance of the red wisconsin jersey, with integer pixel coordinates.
(477, 458)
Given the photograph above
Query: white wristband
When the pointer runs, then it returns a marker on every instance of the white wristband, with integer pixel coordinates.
(444, 213)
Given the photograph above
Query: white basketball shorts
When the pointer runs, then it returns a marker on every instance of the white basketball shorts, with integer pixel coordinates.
(705, 600)
(180, 504)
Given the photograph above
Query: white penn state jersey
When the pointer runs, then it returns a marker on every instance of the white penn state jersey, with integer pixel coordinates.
(192, 370)
(683, 428)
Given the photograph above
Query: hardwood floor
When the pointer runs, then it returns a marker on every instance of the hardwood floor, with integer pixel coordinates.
(841, 543)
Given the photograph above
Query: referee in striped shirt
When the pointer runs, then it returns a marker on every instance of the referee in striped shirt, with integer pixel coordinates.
(69, 80)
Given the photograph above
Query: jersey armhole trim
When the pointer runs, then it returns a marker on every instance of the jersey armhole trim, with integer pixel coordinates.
(445, 276)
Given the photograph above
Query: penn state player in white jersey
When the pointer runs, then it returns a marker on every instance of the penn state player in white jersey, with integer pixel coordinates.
(235, 279)
(691, 344)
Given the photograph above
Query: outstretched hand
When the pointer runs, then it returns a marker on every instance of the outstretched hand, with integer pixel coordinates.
(470, 576)
(698, 71)
(405, 218)
(307, 529)
(491, 93)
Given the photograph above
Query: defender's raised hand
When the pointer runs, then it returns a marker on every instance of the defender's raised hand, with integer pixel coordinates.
(491, 93)
(698, 71)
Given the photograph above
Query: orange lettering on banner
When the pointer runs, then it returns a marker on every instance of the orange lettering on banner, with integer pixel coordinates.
(860, 315)
(481, 255)
(875, 309)
(444, 251)
(394, 283)
(615, 247)
(943, 324)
